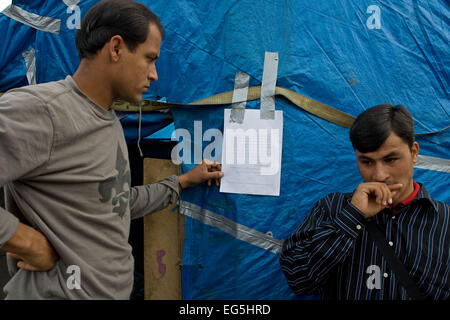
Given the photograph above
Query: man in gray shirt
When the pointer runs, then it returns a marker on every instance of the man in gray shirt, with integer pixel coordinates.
(64, 162)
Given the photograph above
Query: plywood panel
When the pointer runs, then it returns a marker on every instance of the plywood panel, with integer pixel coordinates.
(163, 240)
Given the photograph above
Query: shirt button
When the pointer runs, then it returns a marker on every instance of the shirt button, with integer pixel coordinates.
(358, 227)
(391, 243)
(385, 275)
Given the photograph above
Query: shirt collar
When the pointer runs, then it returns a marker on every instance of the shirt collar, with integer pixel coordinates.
(423, 195)
(419, 194)
(412, 195)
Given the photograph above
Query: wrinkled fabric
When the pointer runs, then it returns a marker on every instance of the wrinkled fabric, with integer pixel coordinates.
(65, 163)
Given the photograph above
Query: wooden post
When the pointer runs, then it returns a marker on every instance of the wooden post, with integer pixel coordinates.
(163, 240)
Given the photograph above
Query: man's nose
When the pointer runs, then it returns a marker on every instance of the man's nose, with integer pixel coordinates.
(380, 173)
(152, 74)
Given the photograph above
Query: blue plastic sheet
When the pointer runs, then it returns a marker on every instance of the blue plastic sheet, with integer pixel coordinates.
(350, 55)
(151, 123)
(328, 52)
(19, 38)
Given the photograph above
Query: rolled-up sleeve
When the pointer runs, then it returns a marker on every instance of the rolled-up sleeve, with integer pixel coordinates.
(153, 197)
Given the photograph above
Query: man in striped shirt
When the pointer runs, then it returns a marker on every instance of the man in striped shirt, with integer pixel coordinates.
(330, 253)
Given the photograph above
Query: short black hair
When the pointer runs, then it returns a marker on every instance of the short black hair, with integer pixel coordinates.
(372, 127)
(108, 18)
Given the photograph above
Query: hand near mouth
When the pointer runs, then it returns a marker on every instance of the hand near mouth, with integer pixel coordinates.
(372, 197)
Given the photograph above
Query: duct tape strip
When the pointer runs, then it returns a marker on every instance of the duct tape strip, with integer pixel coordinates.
(239, 97)
(33, 20)
(239, 231)
(30, 62)
(432, 163)
(71, 3)
(269, 82)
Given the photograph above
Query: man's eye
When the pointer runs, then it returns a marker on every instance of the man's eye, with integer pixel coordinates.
(390, 160)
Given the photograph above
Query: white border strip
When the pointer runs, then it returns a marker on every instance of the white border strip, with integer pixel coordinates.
(433, 163)
(33, 20)
(239, 231)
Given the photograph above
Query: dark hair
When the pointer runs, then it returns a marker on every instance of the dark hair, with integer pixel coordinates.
(372, 127)
(108, 18)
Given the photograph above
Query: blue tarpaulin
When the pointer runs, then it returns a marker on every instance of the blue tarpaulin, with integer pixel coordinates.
(349, 55)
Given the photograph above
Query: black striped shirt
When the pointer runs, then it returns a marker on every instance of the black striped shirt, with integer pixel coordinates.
(331, 254)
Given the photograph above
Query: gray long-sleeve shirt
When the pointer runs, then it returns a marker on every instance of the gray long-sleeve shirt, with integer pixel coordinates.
(64, 161)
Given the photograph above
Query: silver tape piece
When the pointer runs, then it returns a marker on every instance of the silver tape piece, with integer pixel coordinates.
(269, 82)
(236, 230)
(71, 3)
(239, 100)
(432, 163)
(30, 62)
(33, 20)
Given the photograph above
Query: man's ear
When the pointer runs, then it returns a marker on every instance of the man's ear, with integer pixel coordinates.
(415, 151)
(115, 46)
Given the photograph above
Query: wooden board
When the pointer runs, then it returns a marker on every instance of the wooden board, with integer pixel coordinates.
(163, 240)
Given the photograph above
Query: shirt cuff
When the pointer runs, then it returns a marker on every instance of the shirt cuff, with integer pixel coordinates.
(351, 220)
(8, 226)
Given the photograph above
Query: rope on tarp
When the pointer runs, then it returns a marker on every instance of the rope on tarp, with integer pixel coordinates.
(254, 93)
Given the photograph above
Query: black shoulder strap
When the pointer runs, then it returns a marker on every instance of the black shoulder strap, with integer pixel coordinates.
(393, 261)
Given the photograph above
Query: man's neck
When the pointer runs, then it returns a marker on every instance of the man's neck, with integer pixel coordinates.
(91, 81)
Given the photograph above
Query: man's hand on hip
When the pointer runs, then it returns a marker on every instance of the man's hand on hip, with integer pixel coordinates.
(31, 248)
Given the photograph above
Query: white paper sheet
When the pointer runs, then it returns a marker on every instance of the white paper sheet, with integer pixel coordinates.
(251, 154)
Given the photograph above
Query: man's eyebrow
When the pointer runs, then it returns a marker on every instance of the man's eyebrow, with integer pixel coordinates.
(363, 157)
(392, 154)
(389, 155)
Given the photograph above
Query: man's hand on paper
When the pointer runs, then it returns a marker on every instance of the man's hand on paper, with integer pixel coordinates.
(205, 171)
